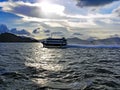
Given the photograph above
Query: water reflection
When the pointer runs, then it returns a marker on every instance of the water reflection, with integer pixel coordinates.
(14, 74)
(31, 67)
(45, 63)
(46, 59)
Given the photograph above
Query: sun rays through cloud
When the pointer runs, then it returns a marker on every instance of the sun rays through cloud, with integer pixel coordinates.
(67, 16)
(48, 7)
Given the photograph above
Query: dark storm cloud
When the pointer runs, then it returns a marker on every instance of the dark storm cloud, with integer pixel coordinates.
(31, 11)
(88, 3)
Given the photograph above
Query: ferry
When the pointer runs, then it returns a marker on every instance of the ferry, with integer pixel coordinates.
(54, 42)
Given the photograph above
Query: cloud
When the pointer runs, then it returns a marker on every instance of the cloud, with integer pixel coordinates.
(88, 3)
(47, 31)
(4, 28)
(74, 20)
(41, 32)
(57, 34)
(3, 0)
(116, 12)
(77, 34)
(21, 8)
(36, 31)
(33, 10)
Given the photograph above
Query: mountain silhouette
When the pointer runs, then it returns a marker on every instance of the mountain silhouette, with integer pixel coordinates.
(8, 37)
(19, 32)
(4, 29)
(107, 41)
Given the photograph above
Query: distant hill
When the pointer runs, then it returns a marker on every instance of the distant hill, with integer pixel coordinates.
(108, 41)
(8, 37)
(77, 41)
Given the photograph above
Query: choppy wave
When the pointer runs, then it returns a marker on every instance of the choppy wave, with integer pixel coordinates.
(31, 67)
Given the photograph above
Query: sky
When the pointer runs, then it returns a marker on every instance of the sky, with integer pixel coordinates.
(85, 19)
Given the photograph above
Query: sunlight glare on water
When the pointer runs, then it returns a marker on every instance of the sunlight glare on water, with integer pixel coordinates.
(45, 58)
(32, 67)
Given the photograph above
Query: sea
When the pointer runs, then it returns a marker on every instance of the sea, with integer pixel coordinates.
(29, 66)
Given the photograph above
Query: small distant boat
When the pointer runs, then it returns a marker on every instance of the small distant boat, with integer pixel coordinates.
(54, 42)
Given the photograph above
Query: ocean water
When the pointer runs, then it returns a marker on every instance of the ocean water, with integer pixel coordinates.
(29, 66)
